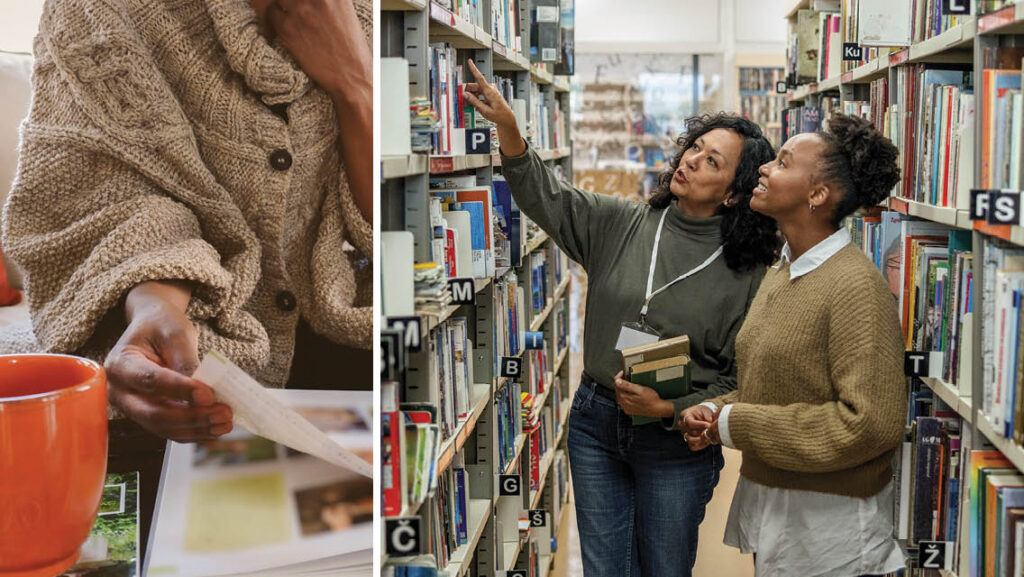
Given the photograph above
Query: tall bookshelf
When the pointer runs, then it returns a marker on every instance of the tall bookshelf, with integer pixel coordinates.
(966, 44)
(758, 100)
(499, 534)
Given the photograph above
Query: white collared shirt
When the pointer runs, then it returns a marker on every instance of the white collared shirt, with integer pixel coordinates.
(787, 528)
(816, 256)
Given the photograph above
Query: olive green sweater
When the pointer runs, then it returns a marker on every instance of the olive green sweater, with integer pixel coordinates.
(612, 238)
(822, 398)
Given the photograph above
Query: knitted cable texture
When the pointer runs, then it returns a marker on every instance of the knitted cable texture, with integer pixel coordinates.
(147, 155)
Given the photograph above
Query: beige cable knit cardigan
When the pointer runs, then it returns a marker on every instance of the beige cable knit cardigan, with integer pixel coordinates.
(151, 152)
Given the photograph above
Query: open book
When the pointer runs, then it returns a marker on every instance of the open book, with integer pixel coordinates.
(245, 504)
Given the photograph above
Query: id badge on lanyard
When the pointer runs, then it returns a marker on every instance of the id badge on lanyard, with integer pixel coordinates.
(636, 334)
(640, 333)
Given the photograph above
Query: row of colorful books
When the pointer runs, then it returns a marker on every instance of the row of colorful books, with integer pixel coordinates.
(934, 111)
(505, 24)
(820, 33)
(1003, 372)
(759, 101)
(539, 289)
(471, 11)
(928, 267)
(849, 13)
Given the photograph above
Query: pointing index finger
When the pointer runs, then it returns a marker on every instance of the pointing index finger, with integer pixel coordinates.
(477, 74)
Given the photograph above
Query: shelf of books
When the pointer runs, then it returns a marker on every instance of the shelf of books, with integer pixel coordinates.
(947, 91)
(758, 77)
(475, 298)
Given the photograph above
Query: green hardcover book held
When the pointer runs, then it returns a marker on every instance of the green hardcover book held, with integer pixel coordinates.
(669, 377)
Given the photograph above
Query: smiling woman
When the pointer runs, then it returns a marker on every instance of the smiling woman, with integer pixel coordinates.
(822, 398)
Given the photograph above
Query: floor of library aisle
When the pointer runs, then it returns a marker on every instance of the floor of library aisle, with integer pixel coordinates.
(713, 557)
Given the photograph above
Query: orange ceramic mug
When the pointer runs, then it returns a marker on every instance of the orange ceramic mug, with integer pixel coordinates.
(53, 460)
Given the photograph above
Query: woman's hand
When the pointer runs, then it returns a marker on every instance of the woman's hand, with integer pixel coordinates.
(490, 103)
(700, 427)
(695, 419)
(327, 41)
(640, 401)
(149, 369)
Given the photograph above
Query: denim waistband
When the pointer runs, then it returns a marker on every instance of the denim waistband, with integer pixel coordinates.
(588, 381)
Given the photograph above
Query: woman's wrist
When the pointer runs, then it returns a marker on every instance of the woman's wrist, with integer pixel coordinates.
(666, 409)
(149, 296)
(510, 141)
(353, 97)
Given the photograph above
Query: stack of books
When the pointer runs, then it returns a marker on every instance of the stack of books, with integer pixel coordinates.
(663, 365)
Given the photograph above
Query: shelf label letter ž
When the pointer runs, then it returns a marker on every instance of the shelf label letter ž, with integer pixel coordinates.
(935, 554)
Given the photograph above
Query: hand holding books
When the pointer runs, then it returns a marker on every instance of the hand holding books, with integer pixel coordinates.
(640, 401)
(663, 369)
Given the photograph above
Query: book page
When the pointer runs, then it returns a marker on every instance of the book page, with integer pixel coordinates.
(258, 411)
(242, 504)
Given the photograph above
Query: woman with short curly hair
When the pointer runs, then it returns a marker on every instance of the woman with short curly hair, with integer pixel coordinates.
(821, 401)
(640, 491)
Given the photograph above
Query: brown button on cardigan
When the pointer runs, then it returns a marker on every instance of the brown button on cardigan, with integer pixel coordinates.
(145, 156)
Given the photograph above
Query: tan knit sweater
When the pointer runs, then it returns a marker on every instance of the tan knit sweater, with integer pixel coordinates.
(150, 152)
(822, 399)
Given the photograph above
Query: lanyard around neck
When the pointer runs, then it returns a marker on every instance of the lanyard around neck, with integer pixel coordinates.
(654, 255)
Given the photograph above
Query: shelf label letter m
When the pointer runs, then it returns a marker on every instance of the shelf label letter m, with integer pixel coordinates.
(463, 291)
(410, 327)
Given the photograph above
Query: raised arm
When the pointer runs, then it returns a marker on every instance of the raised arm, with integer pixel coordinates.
(578, 220)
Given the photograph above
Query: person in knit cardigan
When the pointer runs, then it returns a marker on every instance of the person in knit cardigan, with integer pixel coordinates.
(194, 175)
(821, 397)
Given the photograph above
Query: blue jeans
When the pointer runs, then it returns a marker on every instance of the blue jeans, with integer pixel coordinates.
(640, 491)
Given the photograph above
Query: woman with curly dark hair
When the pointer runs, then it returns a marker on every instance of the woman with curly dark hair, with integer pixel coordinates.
(822, 398)
(689, 262)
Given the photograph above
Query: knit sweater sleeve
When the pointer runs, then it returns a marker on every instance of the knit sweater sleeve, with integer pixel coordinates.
(865, 420)
(578, 221)
(82, 222)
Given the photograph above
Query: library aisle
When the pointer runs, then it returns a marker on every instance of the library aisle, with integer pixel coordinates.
(482, 313)
(713, 557)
